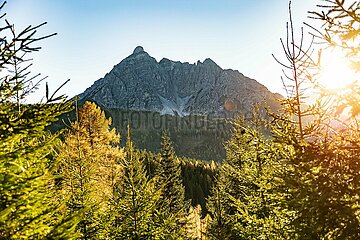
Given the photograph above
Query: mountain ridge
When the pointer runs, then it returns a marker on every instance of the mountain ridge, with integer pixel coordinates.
(140, 82)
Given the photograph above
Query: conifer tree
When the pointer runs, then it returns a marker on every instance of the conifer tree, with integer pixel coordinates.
(88, 167)
(257, 211)
(243, 204)
(28, 209)
(172, 202)
(320, 166)
(134, 201)
(170, 175)
(221, 223)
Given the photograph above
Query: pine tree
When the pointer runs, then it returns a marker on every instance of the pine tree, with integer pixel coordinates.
(89, 168)
(28, 209)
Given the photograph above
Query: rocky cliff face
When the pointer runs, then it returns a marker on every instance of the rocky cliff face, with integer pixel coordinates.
(139, 82)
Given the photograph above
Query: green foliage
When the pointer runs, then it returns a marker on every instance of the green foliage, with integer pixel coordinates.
(169, 173)
(172, 202)
(244, 203)
(319, 159)
(28, 207)
(134, 202)
(257, 211)
(307, 183)
(198, 178)
(320, 181)
(296, 176)
(220, 226)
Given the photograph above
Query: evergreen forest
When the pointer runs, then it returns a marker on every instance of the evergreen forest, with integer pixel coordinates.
(291, 174)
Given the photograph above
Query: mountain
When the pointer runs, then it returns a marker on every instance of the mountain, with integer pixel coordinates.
(141, 83)
(192, 101)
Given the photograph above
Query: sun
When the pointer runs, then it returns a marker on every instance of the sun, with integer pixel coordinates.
(335, 70)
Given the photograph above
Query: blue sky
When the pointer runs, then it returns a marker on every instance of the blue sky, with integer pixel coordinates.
(95, 35)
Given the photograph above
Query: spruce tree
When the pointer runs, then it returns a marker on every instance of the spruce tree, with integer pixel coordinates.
(220, 223)
(320, 169)
(88, 166)
(244, 203)
(169, 173)
(134, 201)
(28, 209)
(172, 202)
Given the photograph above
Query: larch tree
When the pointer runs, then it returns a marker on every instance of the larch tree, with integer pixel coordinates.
(89, 166)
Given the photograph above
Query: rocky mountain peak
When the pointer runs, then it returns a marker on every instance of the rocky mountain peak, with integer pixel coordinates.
(138, 49)
(138, 57)
(140, 54)
(209, 61)
(139, 82)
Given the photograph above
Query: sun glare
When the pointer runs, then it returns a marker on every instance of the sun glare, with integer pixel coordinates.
(336, 72)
